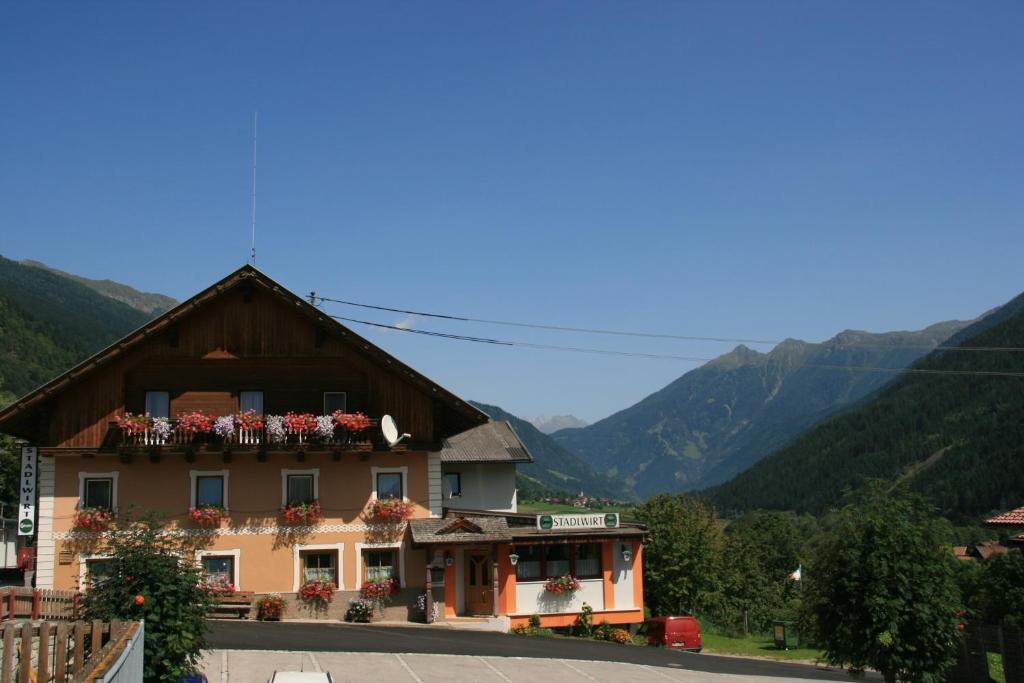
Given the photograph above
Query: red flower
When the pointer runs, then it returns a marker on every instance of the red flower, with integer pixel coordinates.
(391, 509)
(139, 600)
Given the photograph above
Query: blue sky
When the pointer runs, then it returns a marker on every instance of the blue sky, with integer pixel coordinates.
(769, 169)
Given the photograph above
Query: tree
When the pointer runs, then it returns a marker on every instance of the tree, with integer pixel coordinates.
(681, 560)
(153, 576)
(1002, 589)
(881, 586)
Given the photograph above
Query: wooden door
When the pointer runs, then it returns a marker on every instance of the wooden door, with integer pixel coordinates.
(479, 591)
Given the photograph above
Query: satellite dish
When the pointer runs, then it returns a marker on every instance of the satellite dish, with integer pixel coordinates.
(390, 431)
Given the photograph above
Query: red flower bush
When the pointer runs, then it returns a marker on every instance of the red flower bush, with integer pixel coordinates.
(319, 593)
(391, 509)
(353, 422)
(92, 519)
(380, 590)
(300, 422)
(249, 420)
(302, 513)
(219, 586)
(196, 422)
(207, 515)
(562, 584)
(270, 607)
(131, 424)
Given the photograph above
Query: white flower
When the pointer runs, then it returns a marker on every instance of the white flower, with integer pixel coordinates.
(275, 428)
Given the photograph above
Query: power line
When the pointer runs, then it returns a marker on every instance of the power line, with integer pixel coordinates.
(658, 356)
(650, 335)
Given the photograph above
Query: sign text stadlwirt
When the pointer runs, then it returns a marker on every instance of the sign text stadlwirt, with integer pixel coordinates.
(597, 520)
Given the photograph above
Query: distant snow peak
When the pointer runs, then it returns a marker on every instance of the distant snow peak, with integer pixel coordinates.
(550, 425)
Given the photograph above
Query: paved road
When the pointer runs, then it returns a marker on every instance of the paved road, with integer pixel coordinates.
(338, 637)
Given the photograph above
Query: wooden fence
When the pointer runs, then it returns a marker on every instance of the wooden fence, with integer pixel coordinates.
(978, 641)
(66, 652)
(37, 603)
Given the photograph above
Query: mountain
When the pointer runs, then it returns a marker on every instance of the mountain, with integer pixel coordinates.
(721, 418)
(147, 302)
(49, 322)
(550, 425)
(957, 438)
(554, 469)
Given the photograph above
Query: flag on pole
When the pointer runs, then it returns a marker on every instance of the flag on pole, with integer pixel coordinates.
(795, 576)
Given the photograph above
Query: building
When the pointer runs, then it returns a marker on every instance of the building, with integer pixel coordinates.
(246, 349)
(1011, 520)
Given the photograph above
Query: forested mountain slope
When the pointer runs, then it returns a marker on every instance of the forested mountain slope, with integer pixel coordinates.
(719, 419)
(959, 439)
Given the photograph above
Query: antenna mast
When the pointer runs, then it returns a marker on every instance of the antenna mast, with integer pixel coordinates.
(252, 254)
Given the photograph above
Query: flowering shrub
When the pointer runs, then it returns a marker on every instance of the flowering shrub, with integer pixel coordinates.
(249, 420)
(218, 586)
(299, 422)
(270, 607)
(132, 424)
(196, 422)
(562, 584)
(224, 426)
(324, 427)
(379, 591)
(207, 515)
(302, 513)
(275, 428)
(353, 422)
(359, 610)
(391, 509)
(160, 428)
(621, 636)
(318, 593)
(421, 605)
(92, 519)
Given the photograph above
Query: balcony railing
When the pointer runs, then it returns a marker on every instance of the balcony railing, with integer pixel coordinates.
(341, 437)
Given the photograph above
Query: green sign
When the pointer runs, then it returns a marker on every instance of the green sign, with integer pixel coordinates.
(545, 522)
(26, 526)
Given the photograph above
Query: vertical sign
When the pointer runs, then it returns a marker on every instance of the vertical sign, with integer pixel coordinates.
(27, 504)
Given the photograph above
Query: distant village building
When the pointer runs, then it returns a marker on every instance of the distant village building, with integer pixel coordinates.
(1013, 520)
(264, 442)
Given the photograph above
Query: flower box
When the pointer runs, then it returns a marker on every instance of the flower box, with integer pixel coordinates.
(391, 509)
(560, 585)
(270, 607)
(379, 591)
(317, 593)
(302, 514)
(132, 425)
(194, 423)
(359, 611)
(207, 516)
(92, 519)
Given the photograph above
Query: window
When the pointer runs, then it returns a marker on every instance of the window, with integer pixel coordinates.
(389, 485)
(334, 400)
(219, 570)
(97, 571)
(453, 482)
(250, 400)
(380, 564)
(98, 493)
(540, 562)
(320, 566)
(300, 489)
(158, 403)
(210, 491)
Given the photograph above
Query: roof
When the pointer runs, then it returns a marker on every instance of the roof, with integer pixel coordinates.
(489, 442)
(523, 527)
(249, 276)
(482, 529)
(989, 549)
(1013, 518)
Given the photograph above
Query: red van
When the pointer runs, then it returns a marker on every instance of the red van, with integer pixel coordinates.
(677, 633)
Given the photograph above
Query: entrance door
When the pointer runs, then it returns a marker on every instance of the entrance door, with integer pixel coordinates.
(479, 591)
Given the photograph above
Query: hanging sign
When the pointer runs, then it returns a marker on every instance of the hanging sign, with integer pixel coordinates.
(599, 520)
(27, 495)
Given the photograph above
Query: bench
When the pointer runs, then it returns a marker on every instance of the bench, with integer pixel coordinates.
(238, 603)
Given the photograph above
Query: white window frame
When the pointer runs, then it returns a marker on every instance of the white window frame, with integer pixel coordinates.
(404, 471)
(399, 545)
(82, 476)
(343, 393)
(234, 553)
(284, 483)
(297, 551)
(194, 476)
(83, 568)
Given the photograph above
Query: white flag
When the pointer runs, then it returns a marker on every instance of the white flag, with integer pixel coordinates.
(795, 576)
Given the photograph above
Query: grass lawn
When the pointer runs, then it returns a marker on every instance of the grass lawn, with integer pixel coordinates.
(753, 646)
(995, 668)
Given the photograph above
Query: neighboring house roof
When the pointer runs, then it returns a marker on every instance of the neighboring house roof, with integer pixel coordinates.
(1013, 518)
(489, 442)
(960, 552)
(446, 530)
(247, 275)
(989, 549)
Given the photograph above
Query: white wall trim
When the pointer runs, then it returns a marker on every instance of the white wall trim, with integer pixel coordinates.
(83, 566)
(375, 546)
(45, 547)
(82, 476)
(404, 471)
(235, 553)
(195, 474)
(284, 483)
(297, 563)
(434, 484)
